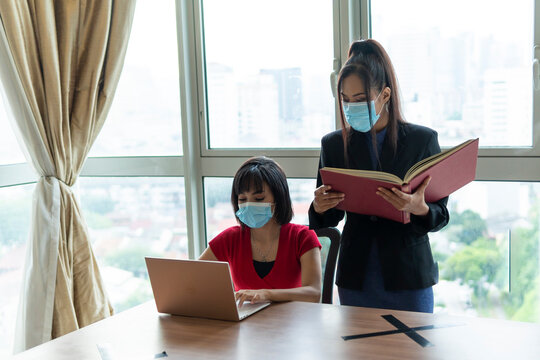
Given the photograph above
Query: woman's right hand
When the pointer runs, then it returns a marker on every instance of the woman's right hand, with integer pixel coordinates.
(326, 199)
(252, 296)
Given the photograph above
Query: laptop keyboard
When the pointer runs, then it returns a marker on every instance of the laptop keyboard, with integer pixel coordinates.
(248, 308)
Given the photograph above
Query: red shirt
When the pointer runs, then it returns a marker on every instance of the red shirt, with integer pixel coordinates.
(234, 246)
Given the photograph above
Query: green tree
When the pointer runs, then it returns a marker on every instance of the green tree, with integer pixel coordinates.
(476, 265)
(466, 227)
(130, 259)
(529, 310)
(482, 264)
(521, 303)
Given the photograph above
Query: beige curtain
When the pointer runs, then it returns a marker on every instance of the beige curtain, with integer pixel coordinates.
(62, 61)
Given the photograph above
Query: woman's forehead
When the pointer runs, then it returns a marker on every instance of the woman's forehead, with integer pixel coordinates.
(352, 85)
(253, 186)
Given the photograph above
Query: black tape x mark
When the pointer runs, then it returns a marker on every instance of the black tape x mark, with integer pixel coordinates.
(401, 328)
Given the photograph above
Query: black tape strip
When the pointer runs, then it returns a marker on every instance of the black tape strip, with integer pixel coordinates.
(390, 332)
(399, 331)
(380, 333)
(419, 339)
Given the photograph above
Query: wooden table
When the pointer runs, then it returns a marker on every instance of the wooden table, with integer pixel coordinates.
(296, 331)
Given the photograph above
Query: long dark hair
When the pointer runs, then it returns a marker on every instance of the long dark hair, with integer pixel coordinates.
(256, 171)
(369, 61)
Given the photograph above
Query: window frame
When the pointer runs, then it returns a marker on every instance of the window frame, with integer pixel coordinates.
(351, 21)
(204, 133)
(493, 163)
(200, 160)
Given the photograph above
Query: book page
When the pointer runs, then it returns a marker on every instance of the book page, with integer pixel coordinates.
(369, 174)
(424, 164)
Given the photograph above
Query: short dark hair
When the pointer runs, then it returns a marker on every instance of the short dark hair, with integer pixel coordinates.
(256, 171)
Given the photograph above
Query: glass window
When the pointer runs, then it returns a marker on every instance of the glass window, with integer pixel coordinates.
(268, 69)
(128, 219)
(10, 152)
(462, 72)
(479, 276)
(219, 211)
(144, 119)
(15, 214)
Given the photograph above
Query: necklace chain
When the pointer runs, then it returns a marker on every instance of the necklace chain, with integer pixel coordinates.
(264, 256)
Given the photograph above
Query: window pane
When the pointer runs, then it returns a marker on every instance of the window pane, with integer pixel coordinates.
(15, 213)
(10, 152)
(219, 211)
(145, 115)
(462, 72)
(268, 67)
(473, 252)
(128, 219)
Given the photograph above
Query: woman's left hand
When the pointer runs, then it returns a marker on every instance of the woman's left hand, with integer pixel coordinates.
(414, 203)
(253, 296)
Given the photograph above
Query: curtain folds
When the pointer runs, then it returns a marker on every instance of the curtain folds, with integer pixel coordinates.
(60, 65)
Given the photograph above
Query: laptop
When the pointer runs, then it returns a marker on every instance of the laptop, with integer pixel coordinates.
(196, 288)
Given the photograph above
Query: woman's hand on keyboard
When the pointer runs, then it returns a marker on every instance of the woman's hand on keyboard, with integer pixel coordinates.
(252, 296)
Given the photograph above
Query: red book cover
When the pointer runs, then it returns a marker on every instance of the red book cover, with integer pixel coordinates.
(450, 170)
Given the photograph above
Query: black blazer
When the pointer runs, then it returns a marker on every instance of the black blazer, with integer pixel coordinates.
(404, 250)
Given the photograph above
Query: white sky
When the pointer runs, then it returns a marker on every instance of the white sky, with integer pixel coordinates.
(502, 18)
(272, 34)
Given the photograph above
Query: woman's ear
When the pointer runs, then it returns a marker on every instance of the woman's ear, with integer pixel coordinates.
(386, 94)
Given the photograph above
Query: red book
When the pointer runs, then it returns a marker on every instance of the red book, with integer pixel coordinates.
(450, 170)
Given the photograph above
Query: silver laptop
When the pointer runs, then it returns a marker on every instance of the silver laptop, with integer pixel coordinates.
(196, 288)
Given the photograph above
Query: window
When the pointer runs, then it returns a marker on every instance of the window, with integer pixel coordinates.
(10, 152)
(256, 79)
(128, 219)
(461, 72)
(134, 205)
(267, 73)
(477, 275)
(15, 213)
(144, 119)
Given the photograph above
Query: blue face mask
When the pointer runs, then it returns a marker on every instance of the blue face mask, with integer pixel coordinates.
(358, 116)
(254, 215)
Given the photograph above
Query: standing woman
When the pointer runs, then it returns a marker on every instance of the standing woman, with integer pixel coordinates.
(382, 263)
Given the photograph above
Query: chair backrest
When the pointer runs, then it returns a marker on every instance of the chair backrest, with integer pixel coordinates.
(329, 239)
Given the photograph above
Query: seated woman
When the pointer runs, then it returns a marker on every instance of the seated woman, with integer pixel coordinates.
(270, 258)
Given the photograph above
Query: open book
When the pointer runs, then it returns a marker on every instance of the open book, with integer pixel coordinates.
(450, 170)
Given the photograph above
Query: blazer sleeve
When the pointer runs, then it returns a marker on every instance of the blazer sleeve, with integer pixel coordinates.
(437, 216)
(331, 217)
